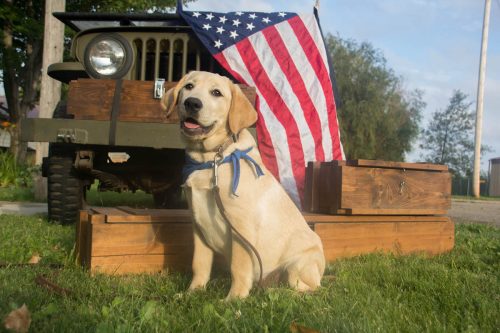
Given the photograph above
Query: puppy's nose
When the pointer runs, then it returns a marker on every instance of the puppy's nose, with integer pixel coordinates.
(193, 104)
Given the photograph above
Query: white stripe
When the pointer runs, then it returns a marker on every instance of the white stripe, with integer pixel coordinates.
(311, 82)
(281, 84)
(312, 26)
(274, 127)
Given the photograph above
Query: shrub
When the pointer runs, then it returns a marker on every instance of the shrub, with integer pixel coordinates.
(13, 174)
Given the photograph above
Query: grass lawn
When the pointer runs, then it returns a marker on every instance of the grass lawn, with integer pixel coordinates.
(139, 199)
(458, 291)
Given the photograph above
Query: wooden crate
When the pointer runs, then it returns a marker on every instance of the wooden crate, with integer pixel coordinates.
(365, 187)
(90, 99)
(124, 240)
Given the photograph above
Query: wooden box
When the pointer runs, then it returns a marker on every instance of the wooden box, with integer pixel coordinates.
(366, 187)
(90, 99)
(124, 240)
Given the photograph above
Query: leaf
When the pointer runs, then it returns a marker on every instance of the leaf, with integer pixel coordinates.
(18, 320)
(296, 328)
(35, 258)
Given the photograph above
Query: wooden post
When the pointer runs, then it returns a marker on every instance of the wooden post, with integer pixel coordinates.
(50, 92)
(479, 105)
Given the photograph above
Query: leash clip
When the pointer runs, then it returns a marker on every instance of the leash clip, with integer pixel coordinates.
(217, 161)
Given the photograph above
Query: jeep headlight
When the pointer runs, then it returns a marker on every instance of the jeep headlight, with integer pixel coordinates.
(108, 56)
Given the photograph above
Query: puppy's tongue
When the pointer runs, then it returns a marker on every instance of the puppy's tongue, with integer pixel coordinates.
(191, 125)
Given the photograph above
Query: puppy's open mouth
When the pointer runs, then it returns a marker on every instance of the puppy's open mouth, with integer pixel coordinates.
(191, 126)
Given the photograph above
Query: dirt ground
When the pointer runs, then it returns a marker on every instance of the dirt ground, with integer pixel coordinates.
(477, 211)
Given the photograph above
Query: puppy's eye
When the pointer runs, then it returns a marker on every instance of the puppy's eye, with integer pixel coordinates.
(216, 93)
(189, 86)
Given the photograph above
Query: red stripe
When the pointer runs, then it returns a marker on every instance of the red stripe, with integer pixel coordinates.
(316, 61)
(264, 138)
(298, 87)
(266, 147)
(278, 107)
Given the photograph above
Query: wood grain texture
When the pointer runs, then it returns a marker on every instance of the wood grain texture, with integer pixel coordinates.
(153, 240)
(396, 165)
(404, 191)
(141, 238)
(136, 264)
(351, 239)
(90, 99)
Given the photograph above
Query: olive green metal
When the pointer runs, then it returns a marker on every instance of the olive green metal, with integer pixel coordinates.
(94, 132)
(150, 43)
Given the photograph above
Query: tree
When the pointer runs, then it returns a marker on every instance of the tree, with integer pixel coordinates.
(449, 136)
(21, 47)
(378, 118)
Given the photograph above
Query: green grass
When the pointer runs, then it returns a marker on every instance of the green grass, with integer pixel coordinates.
(139, 199)
(465, 197)
(458, 291)
(16, 193)
(14, 174)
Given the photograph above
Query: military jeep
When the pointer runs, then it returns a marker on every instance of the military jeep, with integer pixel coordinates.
(112, 128)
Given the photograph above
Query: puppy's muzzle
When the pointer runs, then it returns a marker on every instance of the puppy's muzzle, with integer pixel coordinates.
(193, 105)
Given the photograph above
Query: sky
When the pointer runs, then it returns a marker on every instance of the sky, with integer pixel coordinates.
(434, 45)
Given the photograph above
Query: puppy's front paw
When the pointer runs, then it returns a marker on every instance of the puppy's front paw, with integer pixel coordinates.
(233, 295)
(196, 285)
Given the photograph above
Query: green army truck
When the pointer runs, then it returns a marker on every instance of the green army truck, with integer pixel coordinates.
(111, 128)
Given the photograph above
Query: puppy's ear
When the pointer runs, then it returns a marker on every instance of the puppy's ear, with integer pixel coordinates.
(169, 99)
(168, 102)
(241, 114)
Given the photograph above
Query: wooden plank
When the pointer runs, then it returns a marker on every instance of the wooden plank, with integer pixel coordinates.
(397, 165)
(402, 211)
(81, 237)
(351, 239)
(322, 218)
(326, 187)
(405, 191)
(312, 182)
(128, 239)
(90, 99)
(133, 215)
(134, 264)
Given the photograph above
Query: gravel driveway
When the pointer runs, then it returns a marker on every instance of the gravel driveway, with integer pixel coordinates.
(477, 211)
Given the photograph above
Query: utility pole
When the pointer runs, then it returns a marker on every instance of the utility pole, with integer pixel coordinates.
(50, 90)
(480, 101)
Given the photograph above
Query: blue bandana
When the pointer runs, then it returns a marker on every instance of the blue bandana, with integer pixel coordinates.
(234, 158)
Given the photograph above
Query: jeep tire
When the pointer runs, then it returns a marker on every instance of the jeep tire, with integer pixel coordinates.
(65, 190)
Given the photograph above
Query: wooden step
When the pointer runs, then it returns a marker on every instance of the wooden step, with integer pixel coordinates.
(125, 240)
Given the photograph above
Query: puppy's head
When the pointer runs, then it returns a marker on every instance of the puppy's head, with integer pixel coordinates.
(209, 105)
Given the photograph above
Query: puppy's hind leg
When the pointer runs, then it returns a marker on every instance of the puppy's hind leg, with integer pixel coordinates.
(305, 273)
(202, 262)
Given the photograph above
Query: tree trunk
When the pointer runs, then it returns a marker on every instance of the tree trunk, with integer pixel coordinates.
(20, 103)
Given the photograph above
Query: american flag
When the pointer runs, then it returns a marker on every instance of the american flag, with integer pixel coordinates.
(283, 56)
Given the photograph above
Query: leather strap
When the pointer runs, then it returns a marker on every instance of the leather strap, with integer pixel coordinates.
(115, 112)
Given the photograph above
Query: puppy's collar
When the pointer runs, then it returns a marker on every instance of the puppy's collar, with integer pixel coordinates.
(234, 158)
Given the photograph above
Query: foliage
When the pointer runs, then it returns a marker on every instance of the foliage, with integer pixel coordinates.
(13, 173)
(453, 292)
(378, 118)
(120, 6)
(21, 48)
(449, 137)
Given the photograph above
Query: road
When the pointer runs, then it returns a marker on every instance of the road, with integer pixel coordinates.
(476, 211)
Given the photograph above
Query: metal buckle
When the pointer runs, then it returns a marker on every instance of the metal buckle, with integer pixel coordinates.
(158, 89)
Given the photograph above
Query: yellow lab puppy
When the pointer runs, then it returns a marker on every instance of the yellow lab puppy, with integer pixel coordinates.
(211, 109)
